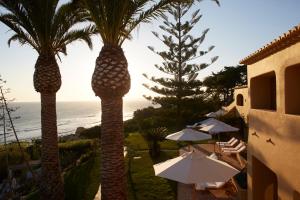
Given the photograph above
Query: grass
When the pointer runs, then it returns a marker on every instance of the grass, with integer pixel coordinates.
(142, 182)
(135, 141)
(82, 182)
(145, 185)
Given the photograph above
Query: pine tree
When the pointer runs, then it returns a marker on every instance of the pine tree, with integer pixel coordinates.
(180, 64)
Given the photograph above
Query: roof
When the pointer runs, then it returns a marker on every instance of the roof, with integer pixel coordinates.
(241, 87)
(286, 40)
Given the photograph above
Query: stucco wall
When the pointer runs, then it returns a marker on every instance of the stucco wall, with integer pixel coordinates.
(282, 155)
(242, 110)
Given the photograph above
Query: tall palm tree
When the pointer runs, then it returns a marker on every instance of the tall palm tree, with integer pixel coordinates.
(115, 20)
(47, 28)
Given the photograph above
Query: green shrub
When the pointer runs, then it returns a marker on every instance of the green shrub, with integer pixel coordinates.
(71, 151)
(34, 151)
(76, 145)
(169, 145)
(130, 126)
(91, 133)
(14, 157)
(82, 182)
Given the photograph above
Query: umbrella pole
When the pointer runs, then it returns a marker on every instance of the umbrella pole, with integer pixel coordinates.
(214, 147)
(194, 195)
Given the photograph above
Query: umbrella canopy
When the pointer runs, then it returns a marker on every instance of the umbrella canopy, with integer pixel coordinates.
(218, 113)
(195, 167)
(214, 126)
(188, 135)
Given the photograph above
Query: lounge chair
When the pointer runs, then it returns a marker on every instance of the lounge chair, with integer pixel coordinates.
(229, 141)
(236, 151)
(233, 141)
(241, 144)
(192, 126)
(209, 185)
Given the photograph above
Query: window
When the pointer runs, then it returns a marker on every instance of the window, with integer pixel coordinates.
(240, 100)
(263, 91)
(292, 90)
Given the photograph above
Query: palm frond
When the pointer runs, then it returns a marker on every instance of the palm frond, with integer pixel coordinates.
(151, 13)
(9, 21)
(45, 26)
(76, 35)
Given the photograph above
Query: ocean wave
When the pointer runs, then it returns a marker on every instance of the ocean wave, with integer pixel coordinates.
(74, 115)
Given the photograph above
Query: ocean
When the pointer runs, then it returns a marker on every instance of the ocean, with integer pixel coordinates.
(70, 115)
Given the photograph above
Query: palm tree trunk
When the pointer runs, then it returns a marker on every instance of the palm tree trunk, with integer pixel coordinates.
(112, 142)
(51, 181)
(47, 81)
(111, 81)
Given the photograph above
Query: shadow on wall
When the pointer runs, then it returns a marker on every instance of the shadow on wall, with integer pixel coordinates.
(285, 185)
(296, 195)
(282, 128)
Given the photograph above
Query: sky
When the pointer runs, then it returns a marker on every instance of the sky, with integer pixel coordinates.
(237, 28)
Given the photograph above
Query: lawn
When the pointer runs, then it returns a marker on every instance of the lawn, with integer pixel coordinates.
(142, 183)
(136, 142)
(82, 181)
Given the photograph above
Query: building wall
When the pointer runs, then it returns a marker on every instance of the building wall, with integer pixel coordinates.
(274, 136)
(242, 110)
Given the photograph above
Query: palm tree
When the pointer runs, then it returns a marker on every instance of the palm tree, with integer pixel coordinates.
(47, 28)
(115, 20)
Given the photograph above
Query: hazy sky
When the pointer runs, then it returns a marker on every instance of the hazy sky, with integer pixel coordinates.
(237, 28)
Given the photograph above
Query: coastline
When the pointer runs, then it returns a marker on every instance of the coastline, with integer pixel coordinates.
(70, 116)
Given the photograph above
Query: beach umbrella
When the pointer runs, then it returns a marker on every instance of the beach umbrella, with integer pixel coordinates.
(214, 185)
(193, 168)
(218, 113)
(214, 126)
(188, 135)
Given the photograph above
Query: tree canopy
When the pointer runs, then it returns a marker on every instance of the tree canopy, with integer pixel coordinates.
(180, 64)
(220, 86)
(45, 26)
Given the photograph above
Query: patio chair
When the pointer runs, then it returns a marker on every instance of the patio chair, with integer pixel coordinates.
(236, 151)
(236, 148)
(229, 141)
(209, 185)
(192, 126)
(233, 141)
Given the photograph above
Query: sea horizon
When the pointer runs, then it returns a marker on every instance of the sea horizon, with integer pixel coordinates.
(70, 116)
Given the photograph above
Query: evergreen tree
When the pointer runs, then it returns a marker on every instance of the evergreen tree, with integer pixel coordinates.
(220, 86)
(179, 60)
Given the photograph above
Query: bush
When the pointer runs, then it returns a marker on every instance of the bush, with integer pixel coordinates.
(71, 151)
(14, 157)
(34, 151)
(91, 133)
(75, 145)
(82, 182)
(130, 126)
